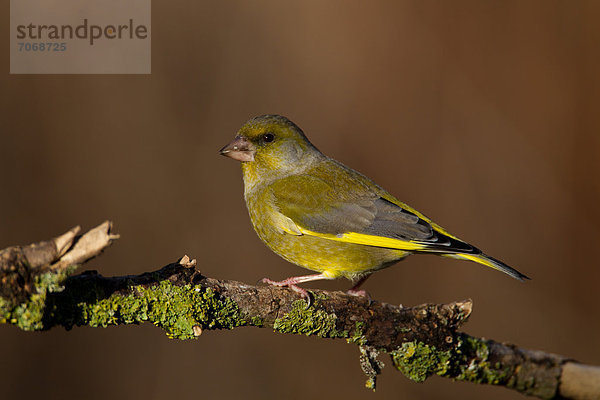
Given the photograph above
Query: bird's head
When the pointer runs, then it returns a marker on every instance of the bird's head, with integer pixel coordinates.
(270, 143)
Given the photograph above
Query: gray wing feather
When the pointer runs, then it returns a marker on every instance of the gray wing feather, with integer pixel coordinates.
(374, 216)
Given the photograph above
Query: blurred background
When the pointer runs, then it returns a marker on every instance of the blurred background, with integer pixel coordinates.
(482, 115)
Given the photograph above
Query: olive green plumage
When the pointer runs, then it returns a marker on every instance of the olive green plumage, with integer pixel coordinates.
(321, 215)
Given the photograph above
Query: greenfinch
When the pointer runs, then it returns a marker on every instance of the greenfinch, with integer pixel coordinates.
(323, 216)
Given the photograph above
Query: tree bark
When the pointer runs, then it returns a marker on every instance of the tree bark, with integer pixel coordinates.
(39, 291)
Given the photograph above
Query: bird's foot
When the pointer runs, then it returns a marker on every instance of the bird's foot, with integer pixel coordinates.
(358, 293)
(355, 291)
(290, 283)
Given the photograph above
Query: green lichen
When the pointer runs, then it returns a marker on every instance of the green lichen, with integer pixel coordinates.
(5, 310)
(257, 321)
(371, 383)
(357, 335)
(418, 360)
(468, 361)
(370, 365)
(29, 315)
(303, 320)
(477, 369)
(176, 309)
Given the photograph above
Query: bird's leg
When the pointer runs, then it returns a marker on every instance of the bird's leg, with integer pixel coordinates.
(294, 281)
(355, 291)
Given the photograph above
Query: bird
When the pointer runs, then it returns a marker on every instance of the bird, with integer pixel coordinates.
(321, 215)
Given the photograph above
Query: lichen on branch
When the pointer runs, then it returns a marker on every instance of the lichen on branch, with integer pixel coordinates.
(38, 291)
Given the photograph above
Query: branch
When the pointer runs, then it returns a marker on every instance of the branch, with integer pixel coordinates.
(39, 292)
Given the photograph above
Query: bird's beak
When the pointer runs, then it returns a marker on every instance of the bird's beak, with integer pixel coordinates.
(239, 149)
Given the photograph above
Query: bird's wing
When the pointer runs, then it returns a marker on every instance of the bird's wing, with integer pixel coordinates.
(311, 206)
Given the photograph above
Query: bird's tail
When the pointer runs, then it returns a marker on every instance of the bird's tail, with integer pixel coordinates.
(489, 262)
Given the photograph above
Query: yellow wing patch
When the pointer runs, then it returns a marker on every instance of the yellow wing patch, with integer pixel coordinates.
(478, 258)
(369, 240)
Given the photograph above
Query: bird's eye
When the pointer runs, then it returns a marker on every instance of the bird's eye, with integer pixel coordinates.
(268, 137)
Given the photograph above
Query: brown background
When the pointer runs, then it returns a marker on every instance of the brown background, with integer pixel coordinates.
(483, 115)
